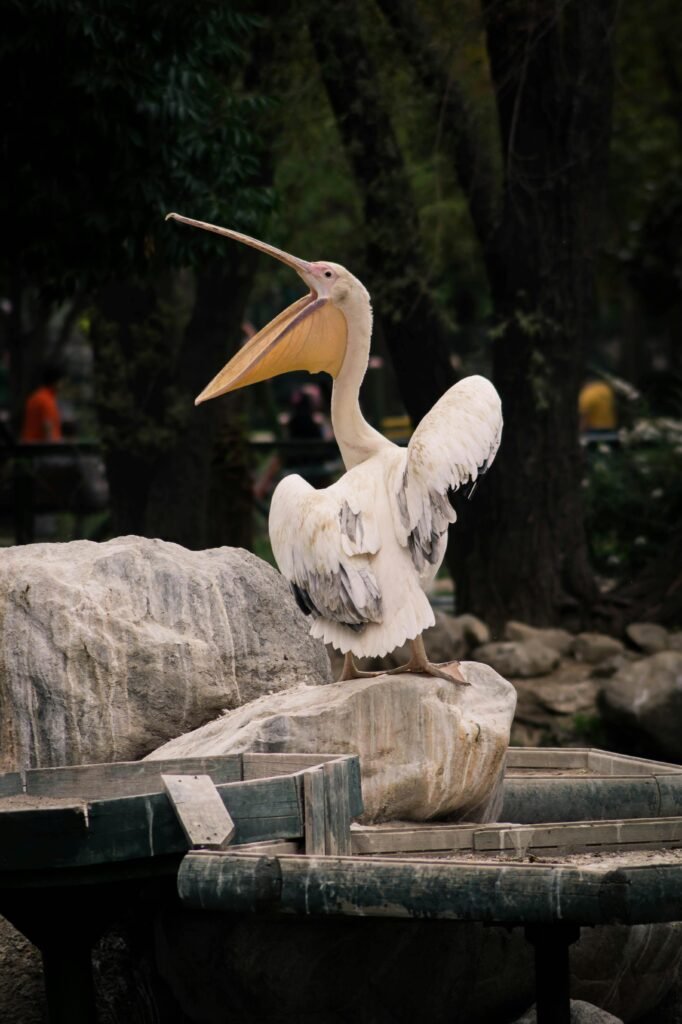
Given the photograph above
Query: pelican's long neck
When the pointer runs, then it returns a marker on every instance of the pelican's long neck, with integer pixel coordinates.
(356, 439)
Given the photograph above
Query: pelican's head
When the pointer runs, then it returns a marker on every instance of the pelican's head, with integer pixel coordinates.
(311, 334)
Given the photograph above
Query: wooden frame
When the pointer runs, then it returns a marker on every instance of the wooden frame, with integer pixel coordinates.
(294, 849)
(118, 813)
(570, 784)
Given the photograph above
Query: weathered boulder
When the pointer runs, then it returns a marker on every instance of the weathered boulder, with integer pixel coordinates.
(581, 1013)
(473, 629)
(428, 748)
(675, 641)
(559, 640)
(642, 705)
(648, 637)
(595, 647)
(518, 659)
(109, 649)
(626, 970)
(569, 698)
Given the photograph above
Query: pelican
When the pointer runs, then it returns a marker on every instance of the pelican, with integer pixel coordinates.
(359, 554)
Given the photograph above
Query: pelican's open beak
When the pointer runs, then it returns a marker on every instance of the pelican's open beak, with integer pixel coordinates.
(308, 335)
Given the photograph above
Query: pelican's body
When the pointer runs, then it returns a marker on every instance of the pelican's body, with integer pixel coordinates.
(359, 554)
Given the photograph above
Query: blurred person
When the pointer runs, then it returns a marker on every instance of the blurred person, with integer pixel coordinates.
(597, 406)
(42, 418)
(303, 421)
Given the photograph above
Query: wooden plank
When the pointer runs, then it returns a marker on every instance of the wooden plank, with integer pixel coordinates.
(547, 757)
(314, 811)
(439, 889)
(356, 805)
(424, 839)
(11, 783)
(261, 766)
(137, 827)
(32, 838)
(337, 808)
(254, 881)
(588, 834)
(270, 808)
(127, 778)
(267, 765)
(200, 810)
(670, 794)
(270, 849)
(517, 839)
(603, 763)
(579, 798)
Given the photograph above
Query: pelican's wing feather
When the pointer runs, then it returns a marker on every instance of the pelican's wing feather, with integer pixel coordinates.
(323, 541)
(455, 442)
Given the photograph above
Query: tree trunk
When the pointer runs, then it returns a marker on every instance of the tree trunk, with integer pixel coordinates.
(551, 71)
(415, 334)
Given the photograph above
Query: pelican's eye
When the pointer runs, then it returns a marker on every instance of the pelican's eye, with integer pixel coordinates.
(327, 273)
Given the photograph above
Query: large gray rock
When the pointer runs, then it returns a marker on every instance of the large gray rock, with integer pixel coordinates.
(559, 640)
(518, 659)
(626, 970)
(454, 637)
(109, 649)
(642, 704)
(428, 748)
(581, 1013)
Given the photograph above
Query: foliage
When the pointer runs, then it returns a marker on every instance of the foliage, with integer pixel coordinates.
(113, 114)
(140, 406)
(634, 500)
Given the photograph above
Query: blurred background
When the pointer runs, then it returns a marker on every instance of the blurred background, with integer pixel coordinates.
(506, 179)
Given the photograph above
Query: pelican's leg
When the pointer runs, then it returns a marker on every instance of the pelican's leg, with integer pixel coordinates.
(420, 665)
(351, 671)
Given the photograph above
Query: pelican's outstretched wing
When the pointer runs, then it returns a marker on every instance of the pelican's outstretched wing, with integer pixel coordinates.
(322, 541)
(454, 443)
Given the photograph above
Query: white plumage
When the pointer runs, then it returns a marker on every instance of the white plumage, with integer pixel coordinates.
(360, 553)
(363, 550)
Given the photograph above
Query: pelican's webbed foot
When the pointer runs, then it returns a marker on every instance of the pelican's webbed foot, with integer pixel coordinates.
(419, 664)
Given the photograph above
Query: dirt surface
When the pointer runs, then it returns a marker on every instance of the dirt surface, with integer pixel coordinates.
(555, 772)
(32, 802)
(602, 860)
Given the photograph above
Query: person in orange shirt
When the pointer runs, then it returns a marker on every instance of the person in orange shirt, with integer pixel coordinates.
(42, 419)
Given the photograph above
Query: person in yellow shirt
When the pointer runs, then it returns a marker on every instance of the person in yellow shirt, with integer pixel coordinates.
(597, 406)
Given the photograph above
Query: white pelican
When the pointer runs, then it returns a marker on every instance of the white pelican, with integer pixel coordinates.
(359, 554)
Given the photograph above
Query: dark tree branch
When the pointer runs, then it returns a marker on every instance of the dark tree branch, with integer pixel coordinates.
(458, 125)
